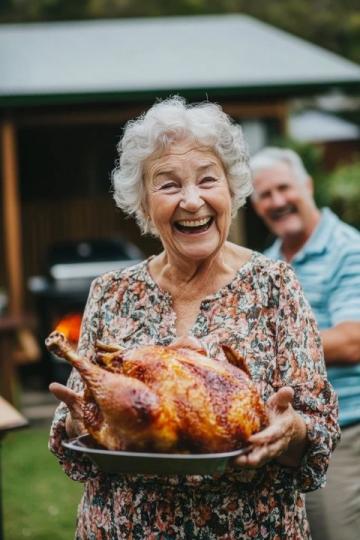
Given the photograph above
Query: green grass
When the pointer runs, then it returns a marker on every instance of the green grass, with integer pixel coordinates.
(39, 500)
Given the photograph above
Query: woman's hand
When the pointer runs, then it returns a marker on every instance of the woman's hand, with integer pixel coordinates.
(188, 342)
(74, 424)
(284, 440)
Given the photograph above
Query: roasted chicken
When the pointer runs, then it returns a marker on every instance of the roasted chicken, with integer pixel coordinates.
(164, 399)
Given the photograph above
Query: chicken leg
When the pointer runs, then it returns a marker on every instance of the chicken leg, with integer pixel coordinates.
(121, 401)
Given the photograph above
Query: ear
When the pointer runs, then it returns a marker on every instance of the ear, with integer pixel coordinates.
(254, 200)
(309, 185)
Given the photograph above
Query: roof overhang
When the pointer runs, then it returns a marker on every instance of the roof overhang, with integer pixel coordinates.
(141, 59)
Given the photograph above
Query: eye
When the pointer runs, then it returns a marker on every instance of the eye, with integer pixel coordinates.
(208, 180)
(168, 185)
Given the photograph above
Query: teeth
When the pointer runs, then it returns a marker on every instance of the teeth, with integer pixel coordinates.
(194, 222)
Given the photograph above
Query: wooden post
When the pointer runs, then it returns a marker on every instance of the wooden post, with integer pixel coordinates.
(237, 229)
(11, 216)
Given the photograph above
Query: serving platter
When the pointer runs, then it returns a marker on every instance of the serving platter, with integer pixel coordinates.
(124, 462)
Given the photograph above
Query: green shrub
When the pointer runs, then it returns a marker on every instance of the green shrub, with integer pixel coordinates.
(338, 189)
(342, 192)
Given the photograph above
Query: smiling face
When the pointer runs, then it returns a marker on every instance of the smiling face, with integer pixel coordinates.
(284, 203)
(188, 200)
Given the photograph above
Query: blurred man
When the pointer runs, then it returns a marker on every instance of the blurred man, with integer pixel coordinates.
(325, 254)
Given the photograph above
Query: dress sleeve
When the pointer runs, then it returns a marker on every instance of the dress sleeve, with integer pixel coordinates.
(300, 364)
(77, 467)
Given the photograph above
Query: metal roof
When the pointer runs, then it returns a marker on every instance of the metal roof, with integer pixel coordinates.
(120, 58)
(319, 126)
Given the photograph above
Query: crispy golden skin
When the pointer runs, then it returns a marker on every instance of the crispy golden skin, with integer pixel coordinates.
(163, 399)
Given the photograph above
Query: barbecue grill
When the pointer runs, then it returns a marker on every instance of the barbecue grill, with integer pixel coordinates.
(60, 295)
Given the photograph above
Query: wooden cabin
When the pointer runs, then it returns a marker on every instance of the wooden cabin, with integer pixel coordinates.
(67, 89)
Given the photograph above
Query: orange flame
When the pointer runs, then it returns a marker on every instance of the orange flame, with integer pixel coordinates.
(70, 326)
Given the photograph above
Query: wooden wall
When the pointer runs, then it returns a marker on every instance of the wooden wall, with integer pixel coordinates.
(46, 222)
(75, 147)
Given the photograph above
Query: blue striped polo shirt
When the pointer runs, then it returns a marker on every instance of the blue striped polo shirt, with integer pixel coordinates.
(328, 268)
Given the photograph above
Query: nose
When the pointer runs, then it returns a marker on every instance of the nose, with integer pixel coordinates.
(277, 199)
(191, 199)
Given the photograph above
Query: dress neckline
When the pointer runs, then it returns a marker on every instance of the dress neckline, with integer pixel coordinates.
(244, 269)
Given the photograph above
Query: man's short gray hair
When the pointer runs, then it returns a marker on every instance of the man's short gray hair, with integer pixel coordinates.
(270, 156)
(168, 121)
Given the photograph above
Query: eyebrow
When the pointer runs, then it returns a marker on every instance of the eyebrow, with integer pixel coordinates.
(172, 171)
(160, 173)
(207, 165)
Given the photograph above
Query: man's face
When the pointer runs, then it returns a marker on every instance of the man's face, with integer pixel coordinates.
(282, 201)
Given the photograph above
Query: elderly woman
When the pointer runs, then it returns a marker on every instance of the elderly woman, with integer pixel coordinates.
(183, 173)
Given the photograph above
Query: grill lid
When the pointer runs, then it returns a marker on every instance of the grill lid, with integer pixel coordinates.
(73, 265)
(87, 270)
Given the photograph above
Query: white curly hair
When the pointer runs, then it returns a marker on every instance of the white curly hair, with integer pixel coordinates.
(168, 121)
(271, 155)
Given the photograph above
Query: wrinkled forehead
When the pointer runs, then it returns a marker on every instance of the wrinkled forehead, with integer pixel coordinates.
(181, 154)
(274, 174)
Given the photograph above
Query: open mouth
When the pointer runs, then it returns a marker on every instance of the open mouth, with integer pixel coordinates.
(193, 226)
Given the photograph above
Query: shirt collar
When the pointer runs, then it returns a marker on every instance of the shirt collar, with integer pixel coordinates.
(320, 238)
(316, 244)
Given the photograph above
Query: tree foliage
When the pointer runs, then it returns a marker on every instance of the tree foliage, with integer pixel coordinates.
(333, 24)
(338, 189)
(342, 192)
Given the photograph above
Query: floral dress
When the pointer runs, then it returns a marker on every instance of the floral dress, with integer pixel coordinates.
(262, 314)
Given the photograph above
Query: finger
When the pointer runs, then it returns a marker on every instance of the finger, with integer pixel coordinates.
(255, 459)
(74, 426)
(268, 435)
(277, 449)
(65, 394)
(187, 342)
(282, 399)
(281, 427)
(262, 455)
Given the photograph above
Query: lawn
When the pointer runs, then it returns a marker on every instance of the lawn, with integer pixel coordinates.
(39, 500)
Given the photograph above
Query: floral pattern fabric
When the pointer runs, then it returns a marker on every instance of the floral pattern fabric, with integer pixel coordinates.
(261, 313)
